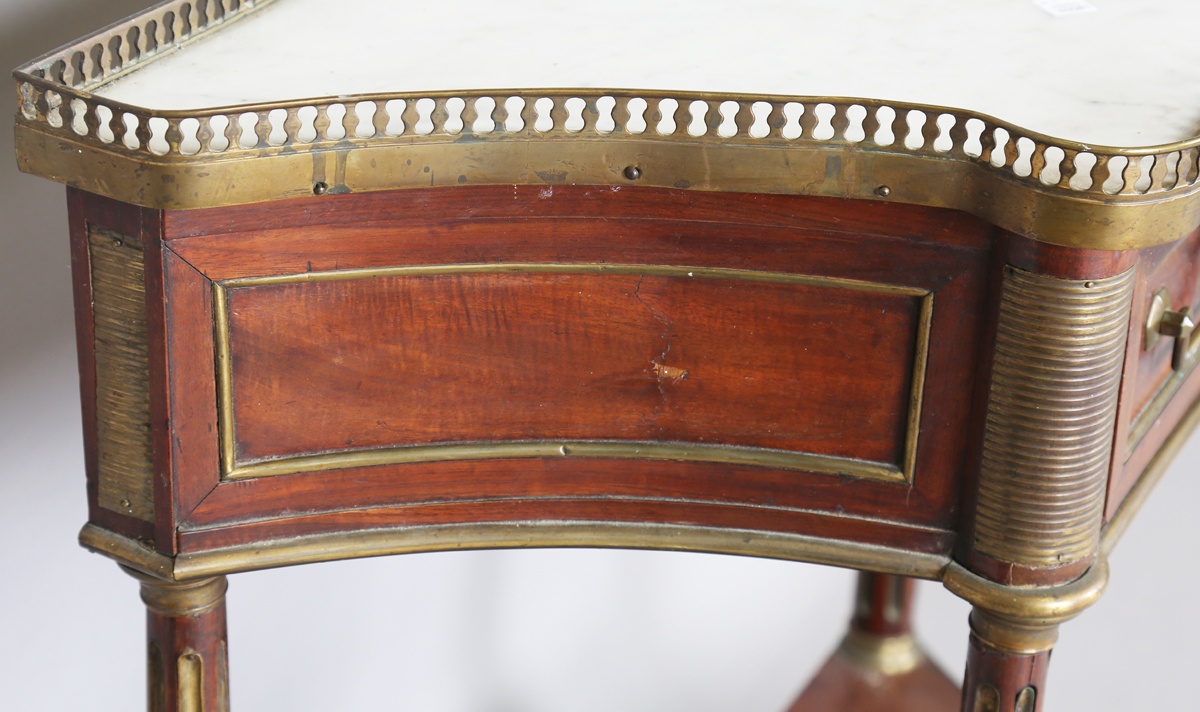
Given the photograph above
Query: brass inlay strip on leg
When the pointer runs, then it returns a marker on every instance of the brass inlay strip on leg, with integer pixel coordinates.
(191, 682)
(987, 698)
(1026, 700)
(1060, 349)
(223, 677)
(124, 451)
(902, 472)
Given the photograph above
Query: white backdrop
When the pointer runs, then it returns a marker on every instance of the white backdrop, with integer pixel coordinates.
(522, 631)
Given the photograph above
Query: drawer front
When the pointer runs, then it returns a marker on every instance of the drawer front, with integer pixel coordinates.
(504, 360)
(1157, 390)
(807, 367)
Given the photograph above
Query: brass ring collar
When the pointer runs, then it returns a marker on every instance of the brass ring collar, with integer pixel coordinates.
(1032, 605)
(179, 599)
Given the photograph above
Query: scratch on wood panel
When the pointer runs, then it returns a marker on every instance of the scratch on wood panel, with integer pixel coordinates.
(676, 374)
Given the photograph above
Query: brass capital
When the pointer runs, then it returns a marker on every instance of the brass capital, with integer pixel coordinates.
(183, 598)
(1010, 636)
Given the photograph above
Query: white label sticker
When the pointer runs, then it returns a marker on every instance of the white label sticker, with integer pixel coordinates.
(1062, 8)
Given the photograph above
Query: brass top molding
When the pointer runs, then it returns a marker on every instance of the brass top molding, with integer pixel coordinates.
(1049, 189)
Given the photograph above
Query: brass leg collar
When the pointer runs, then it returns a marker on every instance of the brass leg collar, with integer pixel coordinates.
(1011, 637)
(1033, 606)
(185, 598)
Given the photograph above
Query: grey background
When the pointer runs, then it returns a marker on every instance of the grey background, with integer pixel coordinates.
(526, 631)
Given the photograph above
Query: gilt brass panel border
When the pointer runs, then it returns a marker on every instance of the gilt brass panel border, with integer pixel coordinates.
(1155, 469)
(696, 452)
(1145, 420)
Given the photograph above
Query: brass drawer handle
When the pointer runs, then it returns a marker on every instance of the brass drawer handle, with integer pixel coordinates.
(1163, 321)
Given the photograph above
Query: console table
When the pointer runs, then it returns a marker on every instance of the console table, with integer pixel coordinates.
(910, 339)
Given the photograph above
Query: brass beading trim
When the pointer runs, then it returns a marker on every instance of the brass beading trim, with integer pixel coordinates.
(130, 553)
(902, 472)
(1150, 476)
(1145, 420)
(1033, 606)
(1046, 188)
(516, 535)
(638, 449)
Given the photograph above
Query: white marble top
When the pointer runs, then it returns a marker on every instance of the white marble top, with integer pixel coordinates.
(1127, 74)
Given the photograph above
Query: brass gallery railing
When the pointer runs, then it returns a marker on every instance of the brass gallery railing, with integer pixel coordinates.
(56, 100)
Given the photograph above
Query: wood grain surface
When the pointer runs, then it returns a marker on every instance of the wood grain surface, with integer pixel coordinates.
(333, 360)
(405, 360)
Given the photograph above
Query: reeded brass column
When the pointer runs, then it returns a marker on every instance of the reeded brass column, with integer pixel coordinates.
(187, 653)
(1033, 557)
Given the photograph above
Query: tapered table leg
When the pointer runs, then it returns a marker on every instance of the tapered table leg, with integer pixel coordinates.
(1006, 664)
(187, 655)
(878, 665)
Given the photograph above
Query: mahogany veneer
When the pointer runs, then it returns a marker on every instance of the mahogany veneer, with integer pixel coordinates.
(804, 367)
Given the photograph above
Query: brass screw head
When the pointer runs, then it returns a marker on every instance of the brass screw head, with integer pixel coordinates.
(633, 172)
(125, 503)
(320, 189)
(883, 191)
